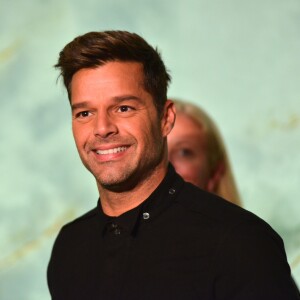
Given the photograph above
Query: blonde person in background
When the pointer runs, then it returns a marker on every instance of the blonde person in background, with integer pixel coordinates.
(198, 154)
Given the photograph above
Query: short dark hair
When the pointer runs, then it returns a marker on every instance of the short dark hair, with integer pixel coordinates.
(94, 49)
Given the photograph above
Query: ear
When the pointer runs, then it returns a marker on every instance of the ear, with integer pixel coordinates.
(168, 118)
(216, 177)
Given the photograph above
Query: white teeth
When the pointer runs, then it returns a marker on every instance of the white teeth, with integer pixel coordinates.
(111, 151)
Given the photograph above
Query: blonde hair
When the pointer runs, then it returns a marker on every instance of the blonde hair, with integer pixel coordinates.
(216, 152)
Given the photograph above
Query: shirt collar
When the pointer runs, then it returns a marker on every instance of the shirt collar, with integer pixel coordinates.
(154, 205)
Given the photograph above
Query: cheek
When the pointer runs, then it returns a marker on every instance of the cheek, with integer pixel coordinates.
(192, 172)
(150, 135)
(202, 170)
(80, 135)
(76, 132)
(186, 170)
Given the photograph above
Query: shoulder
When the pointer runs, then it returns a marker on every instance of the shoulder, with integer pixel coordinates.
(220, 213)
(248, 256)
(78, 229)
(198, 201)
(87, 217)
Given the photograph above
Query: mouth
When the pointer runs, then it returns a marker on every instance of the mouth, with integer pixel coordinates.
(112, 150)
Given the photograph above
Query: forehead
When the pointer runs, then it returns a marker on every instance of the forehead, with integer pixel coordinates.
(185, 125)
(112, 77)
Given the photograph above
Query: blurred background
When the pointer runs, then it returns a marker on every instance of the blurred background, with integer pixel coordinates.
(239, 60)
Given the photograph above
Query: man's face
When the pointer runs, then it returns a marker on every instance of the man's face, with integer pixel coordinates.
(118, 134)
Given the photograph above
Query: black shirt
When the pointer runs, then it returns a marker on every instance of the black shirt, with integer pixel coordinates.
(180, 243)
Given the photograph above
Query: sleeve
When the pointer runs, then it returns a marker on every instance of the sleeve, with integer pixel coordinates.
(251, 264)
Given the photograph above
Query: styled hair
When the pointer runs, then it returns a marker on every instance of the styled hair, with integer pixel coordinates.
(216, 152)
(95, 49)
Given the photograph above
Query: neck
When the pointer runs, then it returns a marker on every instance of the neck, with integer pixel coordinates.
(116, 203)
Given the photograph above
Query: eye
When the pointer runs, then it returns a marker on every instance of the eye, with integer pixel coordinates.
(185, 152)
(125, 108)
(83, 114)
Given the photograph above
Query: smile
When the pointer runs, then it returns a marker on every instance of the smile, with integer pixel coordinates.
(111, 151)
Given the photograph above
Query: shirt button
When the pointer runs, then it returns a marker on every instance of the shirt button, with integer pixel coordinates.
(171, 191)
(146, 216)
(117, 231)
(112, 226)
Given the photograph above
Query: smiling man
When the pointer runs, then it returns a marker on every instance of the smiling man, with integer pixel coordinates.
(152, 235)
(120, 135)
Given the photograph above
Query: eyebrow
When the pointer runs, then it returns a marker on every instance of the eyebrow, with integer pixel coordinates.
(79, 105)
(117, 99)
(126, 97)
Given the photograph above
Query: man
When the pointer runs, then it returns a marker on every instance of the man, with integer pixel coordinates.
(152, 235)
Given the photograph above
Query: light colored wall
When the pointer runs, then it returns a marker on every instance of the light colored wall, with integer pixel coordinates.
(238, 59)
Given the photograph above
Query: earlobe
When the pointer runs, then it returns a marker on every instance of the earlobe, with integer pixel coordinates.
(168, 119)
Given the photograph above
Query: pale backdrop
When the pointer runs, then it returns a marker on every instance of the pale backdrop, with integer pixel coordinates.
(238, 59)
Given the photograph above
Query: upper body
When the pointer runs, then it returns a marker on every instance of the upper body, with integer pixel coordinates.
(181, 243)
(117, 86)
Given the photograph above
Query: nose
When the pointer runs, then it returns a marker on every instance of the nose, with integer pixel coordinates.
(104, 126)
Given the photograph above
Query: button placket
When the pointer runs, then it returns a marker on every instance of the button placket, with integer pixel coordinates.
(115, 229)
